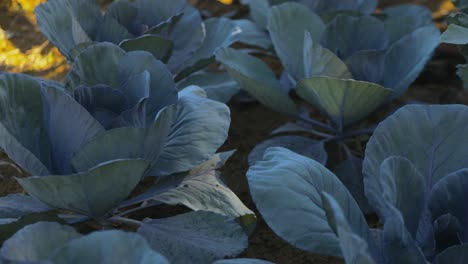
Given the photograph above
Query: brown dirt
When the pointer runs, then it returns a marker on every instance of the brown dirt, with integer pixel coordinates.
(8, 172)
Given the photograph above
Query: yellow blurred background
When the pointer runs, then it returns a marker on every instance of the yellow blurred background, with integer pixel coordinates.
(33, 54)
(17, 19)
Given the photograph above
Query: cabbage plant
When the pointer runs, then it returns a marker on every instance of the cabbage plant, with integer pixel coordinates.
(346, 68)
(461, 5)
(89, 143)
(457, 33)
(173, 31)
(48, 242)
(260, 9)
(415, 174)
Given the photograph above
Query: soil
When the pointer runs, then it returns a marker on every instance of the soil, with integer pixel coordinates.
(252, 123)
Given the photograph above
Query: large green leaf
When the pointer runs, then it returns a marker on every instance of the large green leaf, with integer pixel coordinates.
(17, 205)
(346, 35)
(403, 19)
(97, 64)
(448, 196)
(162, 90)
(9, 226)
(23, 135)
(400, 185)
(432, 137)
(164, 29)
(398, 245)
(107, 64)
(220, 32)
(92, 193)
(108, 247)
(67, 23)
(66, 137)
(253, 34)
(37, 242)
(110, 30)
(319, 61)
(287, 24)
(367, 65)
(102, 102)
(134, 117)
(195, 237)
(353, 247)
(159, 47)
(255, 77)
(200, 128)
(176, 21)
(461, 4)
(188, 33)
(455, 34)
(122, 11)
(345, 101)
(218, 86)
(287, 187)
(133, 143)
(406, 58)
(203, 189)
(259, 11)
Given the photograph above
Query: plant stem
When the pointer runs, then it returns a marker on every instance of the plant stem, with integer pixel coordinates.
(347, 150)
(320, 134)
(119, 219)
(350, 134)
(315, 123)
(144, 205)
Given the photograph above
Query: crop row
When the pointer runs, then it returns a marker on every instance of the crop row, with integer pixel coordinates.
(138, 121)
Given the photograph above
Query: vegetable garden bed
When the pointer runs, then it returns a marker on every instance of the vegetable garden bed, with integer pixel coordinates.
(349, 131)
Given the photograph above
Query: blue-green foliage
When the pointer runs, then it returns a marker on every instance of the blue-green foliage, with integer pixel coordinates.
(120, 89)
(457, 33)
(462, 5)
(415, 171)
(119, 116)
(130, 108)
(172, 31)
(88, 143)
(346, 63)
(196, 237)
(352, 47)
(259, 9)
(48, 242)
(139, 93)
